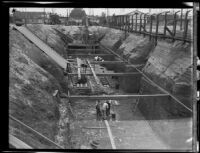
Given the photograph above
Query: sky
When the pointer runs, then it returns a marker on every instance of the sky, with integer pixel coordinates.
(94, 11)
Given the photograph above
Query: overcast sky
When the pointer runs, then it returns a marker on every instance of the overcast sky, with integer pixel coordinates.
(94, 11)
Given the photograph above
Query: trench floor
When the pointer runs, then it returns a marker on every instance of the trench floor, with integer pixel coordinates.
(130, 130)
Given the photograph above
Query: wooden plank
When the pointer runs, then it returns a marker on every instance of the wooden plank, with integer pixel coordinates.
(90, 55)
(42, 45)
(110, 135)
(109, 74)
(18, 144)
(94, 74)
(85, 49)
(107, 62)
(115, 97)
(82, 45)
(169, 31)
(94, 127)
(78, 67)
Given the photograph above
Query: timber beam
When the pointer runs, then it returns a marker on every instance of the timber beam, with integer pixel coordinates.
(83, 49)
(90, 55)
(107, 62)
(109, 74)
(115, 97)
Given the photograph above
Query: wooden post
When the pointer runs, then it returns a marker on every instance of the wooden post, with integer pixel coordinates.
(150, 27)
(186, 26)
(181, 19)
(140, 22)
(174, 26)
(78, 67)
(144, 24)
(136, 23)
(157, 25)
(165, 26)
(132, 24)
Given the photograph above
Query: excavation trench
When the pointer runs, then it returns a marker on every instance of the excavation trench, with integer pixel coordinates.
(147, 117)
(159, 123)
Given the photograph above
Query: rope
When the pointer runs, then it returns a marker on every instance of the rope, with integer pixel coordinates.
(163, 90)
(35, 131)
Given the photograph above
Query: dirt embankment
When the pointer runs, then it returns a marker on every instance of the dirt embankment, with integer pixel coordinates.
(49, 36)
(135, 48)
(33, 78)
(170, 66)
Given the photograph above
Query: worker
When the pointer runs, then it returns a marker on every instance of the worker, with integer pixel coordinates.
(98, 110)
(104, 108)
(108, 108)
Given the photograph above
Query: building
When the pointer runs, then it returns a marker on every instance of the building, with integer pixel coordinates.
(136, 14)
(75, 21)
(32, 17)
(94, 19)
(63, 20)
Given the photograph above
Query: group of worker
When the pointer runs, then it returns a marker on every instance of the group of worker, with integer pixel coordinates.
(103, 110)
(97, 58)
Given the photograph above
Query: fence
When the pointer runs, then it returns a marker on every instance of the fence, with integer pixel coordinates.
(160, 25)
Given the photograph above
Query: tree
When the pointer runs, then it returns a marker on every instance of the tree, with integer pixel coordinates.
(54, 19)
(77, 13)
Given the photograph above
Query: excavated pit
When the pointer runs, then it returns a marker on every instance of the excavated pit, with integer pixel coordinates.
(163, 115)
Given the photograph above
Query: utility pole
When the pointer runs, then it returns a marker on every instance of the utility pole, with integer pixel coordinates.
(44, 16)
(25, 17)
(149, 11)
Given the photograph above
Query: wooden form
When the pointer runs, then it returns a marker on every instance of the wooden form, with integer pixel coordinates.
(115, 97)
(109, 74)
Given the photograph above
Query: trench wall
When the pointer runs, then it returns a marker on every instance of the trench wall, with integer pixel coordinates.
(169, 64)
